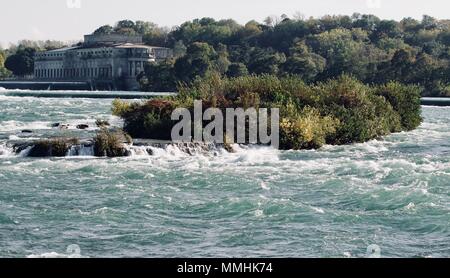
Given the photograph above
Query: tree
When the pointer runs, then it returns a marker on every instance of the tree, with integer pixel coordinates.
(3, 71)
(314, 49)
(344, 54)
(158, 77)
(179, 49)
(444, 37)
(237, 70)
(125, 24)
(155, 37)
(386, 29)
(197, 62)
(303, 63)
(265, 61)
(429, 22)
(222, 62)
(104, 30)
(283, 35)
(366, 22)
(126, 31)
(401, 65)
(205, 30)
(2, 58)
(151, 33)
(143, 27)
(22, 62)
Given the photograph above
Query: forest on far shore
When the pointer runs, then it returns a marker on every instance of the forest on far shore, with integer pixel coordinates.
(372, 50)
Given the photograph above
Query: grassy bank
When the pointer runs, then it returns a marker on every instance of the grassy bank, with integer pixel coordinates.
(338, 111)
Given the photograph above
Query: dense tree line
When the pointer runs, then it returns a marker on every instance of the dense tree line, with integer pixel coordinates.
(316, 49)
(18, 60)
(373, 50)
(3, 71)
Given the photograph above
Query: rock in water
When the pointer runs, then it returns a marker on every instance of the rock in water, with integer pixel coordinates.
(83, 126)
(56, 125)
(27, 131)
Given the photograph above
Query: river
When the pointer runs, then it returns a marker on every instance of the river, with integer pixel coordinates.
(257, 202)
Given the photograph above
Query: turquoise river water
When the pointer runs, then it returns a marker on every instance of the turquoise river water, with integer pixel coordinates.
(257, 202)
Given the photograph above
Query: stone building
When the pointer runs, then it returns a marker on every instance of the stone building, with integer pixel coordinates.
(110, 61)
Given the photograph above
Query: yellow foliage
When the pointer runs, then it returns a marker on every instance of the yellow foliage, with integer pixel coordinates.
(308, 130)
(120, 107)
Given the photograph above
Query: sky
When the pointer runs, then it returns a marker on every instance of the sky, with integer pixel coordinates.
(69, 20)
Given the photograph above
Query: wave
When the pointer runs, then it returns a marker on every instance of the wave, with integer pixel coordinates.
(5, 151)
(196, 152)
(17, 126)
(73, 251)
(51, 255)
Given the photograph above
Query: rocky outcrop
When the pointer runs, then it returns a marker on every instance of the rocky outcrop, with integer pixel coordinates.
(109, 144)
(57, 147)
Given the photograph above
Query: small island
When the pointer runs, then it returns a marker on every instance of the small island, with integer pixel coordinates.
(338, 111)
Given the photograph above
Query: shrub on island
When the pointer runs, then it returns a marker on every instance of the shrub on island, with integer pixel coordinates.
(111, 143)
(337, 111)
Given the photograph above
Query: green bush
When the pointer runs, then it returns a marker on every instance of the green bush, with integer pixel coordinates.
(148, 119)
(405, 99)
(309, 130)
(110, 144)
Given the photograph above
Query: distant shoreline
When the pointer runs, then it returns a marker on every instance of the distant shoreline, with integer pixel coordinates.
(428, 101)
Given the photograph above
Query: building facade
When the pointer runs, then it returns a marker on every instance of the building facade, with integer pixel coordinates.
(110, 61)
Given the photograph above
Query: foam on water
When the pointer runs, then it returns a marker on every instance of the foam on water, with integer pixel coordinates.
(53, 255)
(4, 150)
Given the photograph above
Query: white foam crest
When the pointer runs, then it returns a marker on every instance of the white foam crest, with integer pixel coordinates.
(17, 126)
(72, 252)
(373, 146)
(138, 151)
(255, 154)
(15, 90)
(5, 151)
(49, 255)
(173, 152)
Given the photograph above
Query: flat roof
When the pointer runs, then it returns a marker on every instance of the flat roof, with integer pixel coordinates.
(117, 45)
(62, 49)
